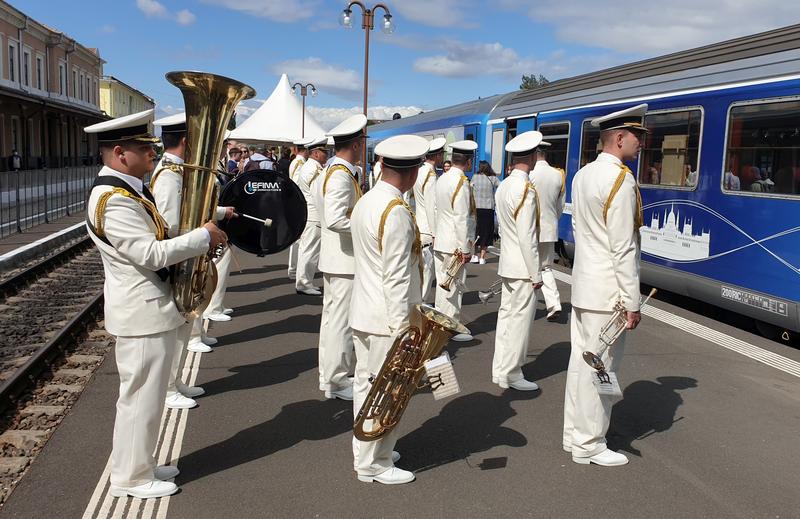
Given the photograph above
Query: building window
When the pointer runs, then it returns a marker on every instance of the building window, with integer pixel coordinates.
(62, 78)
(81, 94)
(671, 150)
(590, 143)
(763, 148)
(12, 62)
(26, 67)
(74, 83)
(39, 68)
(557, 134)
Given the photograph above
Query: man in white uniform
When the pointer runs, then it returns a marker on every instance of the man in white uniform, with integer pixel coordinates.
(425, 212)
(139, 309)
(550, 184)
(518, 215)
(308, 254)
(335, 194)
(294, 172)
(606, 217)
(387, 249)
(455, 229)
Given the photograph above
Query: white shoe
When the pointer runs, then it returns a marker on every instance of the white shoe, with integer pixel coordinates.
(553, 314)
(207, 339)
(227, 311)
(393, 476)
(482, 261)
(462, 337)
(165, 472)
(474, 259)
(189, 391)
(342, 394)
(149, 490)
(219, 317)
(178, 401)
(566, 448)
(310, 292)
(198, 346)
(520, 385)
(395, 456)
(607, 458)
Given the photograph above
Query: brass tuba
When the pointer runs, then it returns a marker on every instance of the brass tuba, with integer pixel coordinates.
(210, 101)
(402, 371)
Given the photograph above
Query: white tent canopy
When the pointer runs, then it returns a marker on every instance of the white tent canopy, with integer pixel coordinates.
(278, 120)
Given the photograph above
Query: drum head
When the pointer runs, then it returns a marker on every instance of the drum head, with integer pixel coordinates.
(265, 194)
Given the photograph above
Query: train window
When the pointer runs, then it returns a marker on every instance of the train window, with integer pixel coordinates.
(671, 150)
(763, 148)
(557, 134)
(590, 143)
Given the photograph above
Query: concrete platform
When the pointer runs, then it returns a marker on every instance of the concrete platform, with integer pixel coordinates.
(19, 247)
(710, 425)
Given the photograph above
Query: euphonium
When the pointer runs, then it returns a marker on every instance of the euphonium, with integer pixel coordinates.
(453, 269)
(210, 101)
(402, 371)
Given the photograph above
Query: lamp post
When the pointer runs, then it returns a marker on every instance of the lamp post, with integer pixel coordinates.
(303, 93)
(367, 23)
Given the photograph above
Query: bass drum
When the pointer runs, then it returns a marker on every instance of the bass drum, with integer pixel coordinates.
(264, 193)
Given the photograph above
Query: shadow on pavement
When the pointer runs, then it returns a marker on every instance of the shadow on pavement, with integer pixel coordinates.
(320, 419)
(262, 285)
(466, 425)
(647, 408)
(304, 323)
(552, 361)
(283, 302)
(257, 270)
(267, 373)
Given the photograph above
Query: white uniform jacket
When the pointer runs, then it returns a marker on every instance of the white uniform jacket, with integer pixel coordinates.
(455, 213)
(336, 192)
(387, 283)
(550, 185)
(167, 186)
(137, 302)
(425, 200)
(310, 173)
(516, 207)
(606, 266)
(294, 168)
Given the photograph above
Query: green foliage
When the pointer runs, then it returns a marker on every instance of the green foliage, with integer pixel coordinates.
(531, 81)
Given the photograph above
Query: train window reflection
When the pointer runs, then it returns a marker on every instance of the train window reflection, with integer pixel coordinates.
(590, 143)
(557, 134)
(671, 150)
(763, 149)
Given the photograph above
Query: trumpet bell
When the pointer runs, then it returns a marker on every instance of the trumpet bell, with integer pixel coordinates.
(594, 361)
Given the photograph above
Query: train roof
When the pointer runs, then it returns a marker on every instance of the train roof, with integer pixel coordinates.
(770, 54)
(482, 106)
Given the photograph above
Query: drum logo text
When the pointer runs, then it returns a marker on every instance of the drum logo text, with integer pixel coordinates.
(259, 187)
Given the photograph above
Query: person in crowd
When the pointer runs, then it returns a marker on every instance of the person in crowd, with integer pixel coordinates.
(282, 165)
(484, 183)
(234, 159)
(446, 165)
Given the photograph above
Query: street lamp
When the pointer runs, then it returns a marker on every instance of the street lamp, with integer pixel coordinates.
(367, 23)
(303, 93)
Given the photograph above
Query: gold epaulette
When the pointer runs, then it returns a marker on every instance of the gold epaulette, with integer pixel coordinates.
(529, 187)
(639, 217)
(461, 181)
(340, 167)
(175, 168)
(147, 205)
(416, 247)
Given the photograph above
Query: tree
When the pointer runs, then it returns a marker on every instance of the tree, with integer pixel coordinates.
(531, 81)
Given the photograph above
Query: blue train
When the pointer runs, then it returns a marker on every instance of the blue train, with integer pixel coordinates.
(719, 172)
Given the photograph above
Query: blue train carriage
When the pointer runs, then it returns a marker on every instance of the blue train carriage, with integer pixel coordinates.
(455, 123)
(719, 171)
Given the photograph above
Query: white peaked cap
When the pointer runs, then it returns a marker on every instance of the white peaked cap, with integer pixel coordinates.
(128, 127)
(437, 144)
(171, 120)
(317, 142)
(349, 129)
(303, 143)
(403, 151)
(629, 119)
(465, 147)
(524, 142)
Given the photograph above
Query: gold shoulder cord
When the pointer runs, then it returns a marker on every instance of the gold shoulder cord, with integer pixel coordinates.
(340, 167)
(175, 168)
(297, 165)
(149, 207)
(314, 177)
(431, 173)
(416, 247)
(461, 181)
(530, 187)
(639, 218)
(563, 180)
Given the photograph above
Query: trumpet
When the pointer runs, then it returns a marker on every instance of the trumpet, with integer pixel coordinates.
(453, 269)
(610, 333)
(494, 289)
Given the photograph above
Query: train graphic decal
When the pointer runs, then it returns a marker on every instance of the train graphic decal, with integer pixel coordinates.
(672, 236)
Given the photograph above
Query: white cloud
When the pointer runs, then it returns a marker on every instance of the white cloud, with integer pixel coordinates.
(328, 117)
(435, 13)
(331, 79)
(108, 29)
(277, 10)
(651, 28)
(154, 9)
(465, 60)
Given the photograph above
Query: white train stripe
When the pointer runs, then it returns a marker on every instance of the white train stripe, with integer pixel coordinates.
(728, 342)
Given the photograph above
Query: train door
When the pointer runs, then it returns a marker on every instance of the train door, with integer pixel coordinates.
(471, 134)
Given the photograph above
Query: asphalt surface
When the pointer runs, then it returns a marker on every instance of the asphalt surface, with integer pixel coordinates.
(710, 433)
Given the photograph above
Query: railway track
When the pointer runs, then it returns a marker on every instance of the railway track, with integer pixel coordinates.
(50, 345)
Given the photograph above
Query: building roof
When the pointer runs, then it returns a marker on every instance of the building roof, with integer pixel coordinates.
(126, 85)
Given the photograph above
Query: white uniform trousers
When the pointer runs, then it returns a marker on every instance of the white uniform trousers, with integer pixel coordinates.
(335, 335)
(449, 302)
(308, 256)
(143, 365)
(223, 264)
(428, 275)
(549, 288)
(293, 259)
(375, 457)
(514, 322)
(182, 336)
(586, 413)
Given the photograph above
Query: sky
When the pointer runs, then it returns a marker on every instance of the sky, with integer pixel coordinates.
(441, 53)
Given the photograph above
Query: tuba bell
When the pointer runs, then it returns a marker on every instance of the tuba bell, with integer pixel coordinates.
(210, 101)
(401, 372)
